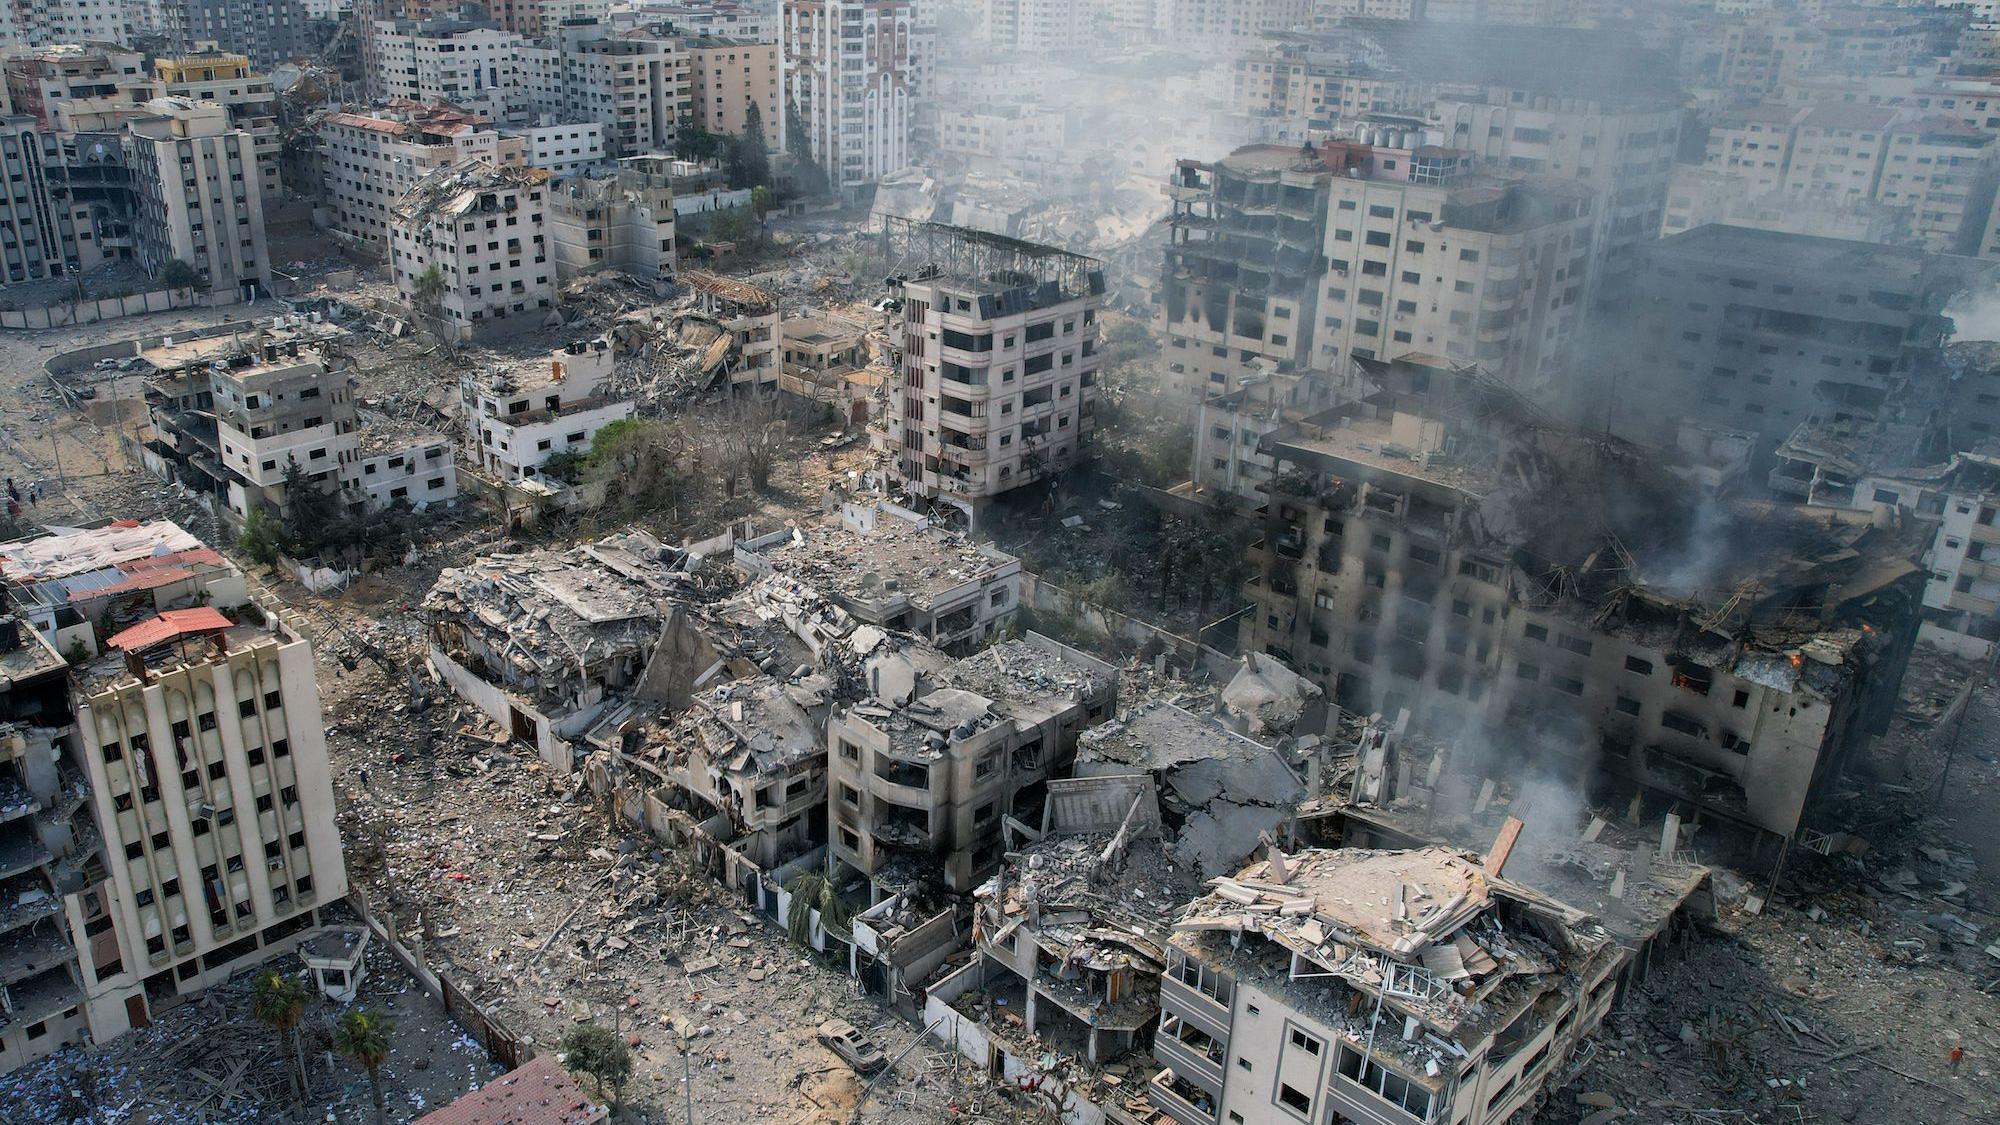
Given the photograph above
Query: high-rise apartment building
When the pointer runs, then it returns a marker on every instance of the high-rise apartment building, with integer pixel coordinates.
(228, 80)
(472, 63)
(198, 194)
(999, 372)
(726, 78)
(269, 31)
(369, 159)
(850, 79)
(634, 83)
(484, 230)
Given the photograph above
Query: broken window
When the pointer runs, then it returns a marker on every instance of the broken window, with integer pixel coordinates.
(1636, 665)
(1536, 632)
(1682, 724)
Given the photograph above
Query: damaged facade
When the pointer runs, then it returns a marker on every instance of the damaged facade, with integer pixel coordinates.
(748, 318)
(623, 220)
(469, 244)
(1440, 547)
(997, 384)
(516, 418)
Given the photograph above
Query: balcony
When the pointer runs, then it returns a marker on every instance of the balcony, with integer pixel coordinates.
(1181, 1100)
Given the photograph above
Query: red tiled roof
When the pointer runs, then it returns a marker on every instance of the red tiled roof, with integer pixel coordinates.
(537, 1093)
(171, 625)
(154, 572)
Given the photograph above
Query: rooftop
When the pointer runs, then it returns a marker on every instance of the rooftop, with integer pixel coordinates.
(897, 558)
(383, 435)
(1767, 250)
(67, 552)
(538, 1092)
(1014, 273)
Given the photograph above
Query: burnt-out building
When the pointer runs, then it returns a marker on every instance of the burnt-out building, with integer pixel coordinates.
(1442, 547)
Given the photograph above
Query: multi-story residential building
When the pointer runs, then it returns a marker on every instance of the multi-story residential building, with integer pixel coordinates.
(1036, 26)
(1289, 86)
(1230, 23)
(226, 79)
(198, 194)
(1945, 172)
(920, 794)
(1754, 145)
(41, 79)
(1759, 330)
(463, 59)
(726, 79)
(634, 83)
(849, 77)
(999, 373)
(518, 417)
(561, 149)
(1837, 150)
(748, 314)
(128, 882)
(1338, 1011)
(1698, 196)
(1404, 566)
(1246, 254)
(1963, 593)
(369, 159)
(1752, 60)
(484, 231)
(1427, 255)
(269, 31)
(623, 220)
(280, 408)
(39, 232)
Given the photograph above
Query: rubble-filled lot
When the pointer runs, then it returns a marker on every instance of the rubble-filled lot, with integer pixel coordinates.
(1865, 990)
(549, 917)
(207, 1061)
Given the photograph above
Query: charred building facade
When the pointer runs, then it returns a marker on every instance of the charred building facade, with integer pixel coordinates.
(1441, 547)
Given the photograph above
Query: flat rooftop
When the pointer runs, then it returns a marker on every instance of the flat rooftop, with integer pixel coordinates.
(897, 558)
(1379, 442)
(382, 435)
(1767, 250)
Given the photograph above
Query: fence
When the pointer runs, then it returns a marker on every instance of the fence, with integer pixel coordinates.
(501, 1043)
(111, 308)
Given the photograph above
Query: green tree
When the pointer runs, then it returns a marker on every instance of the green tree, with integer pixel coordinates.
(261, 537)
(315, 523)
(749, 154)
(427, 298)
(178, 275)
(807, 175)
(596, 1050)
(362, 1038)
(761, 202)
(279, 1002)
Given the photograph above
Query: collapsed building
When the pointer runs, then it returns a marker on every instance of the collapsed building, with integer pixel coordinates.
(623, 220)
(748, 317)
(1543, 593)
(1380, 986)
(887, 566)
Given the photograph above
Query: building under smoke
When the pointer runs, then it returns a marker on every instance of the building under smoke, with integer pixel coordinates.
(1542, 593)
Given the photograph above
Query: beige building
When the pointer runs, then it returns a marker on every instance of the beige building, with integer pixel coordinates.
(920, 794)
(726, 77)
(200, 199)
(1838, 150)
(623, 220)
(226, 78)
(1755, 145)
(999, 371)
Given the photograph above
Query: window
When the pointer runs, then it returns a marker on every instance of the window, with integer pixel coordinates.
(1536, 632)
(1640, 667)
(1305, 1042)
(1293, 1100)
(1527, 671)
(1627, 705)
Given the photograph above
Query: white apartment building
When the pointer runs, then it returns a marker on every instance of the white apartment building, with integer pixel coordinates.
(1230, 23)
(205, 747)
(474, 64)
(281, 405)
(1425, 255)
(634, 84)
(199, 195)
(1755, 145)
(561, 149)
(399, 462)
(1944, 171)
(998, 379)
(1838, 150)
(370, 159)
(849, 75)
(484, 230)
(519, 417)
(1037, 26)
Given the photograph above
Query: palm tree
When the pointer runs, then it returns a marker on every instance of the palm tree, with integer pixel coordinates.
(279, 1002)
(362, 1037)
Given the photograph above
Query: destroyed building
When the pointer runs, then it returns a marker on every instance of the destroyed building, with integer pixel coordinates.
(922, 785)
(825, 359)
(469, 245)
(233, 416)
(73, 582)
(623, 220)
(997, 384)
(518, 416)
(1379, 986)
(887, 566)
(1441, 547)
(748, 316)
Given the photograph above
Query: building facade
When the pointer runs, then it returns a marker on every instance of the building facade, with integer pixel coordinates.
(850, 83)
(199, 195)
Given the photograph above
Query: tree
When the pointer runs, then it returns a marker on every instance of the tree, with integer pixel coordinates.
(596, 1050)
(279, 1002)
(427, 298)
(761, 202)
(314, 520)
(178, 275)
(749, 155)
(261, 537)
(362, 1037)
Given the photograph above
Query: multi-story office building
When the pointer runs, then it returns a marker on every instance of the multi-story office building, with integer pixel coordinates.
(368, 160)
(519, 417)
(920, 793)
(198, 194)
(1406, 565)
(726, 79)
(849, 75)
(227, 80)
(997, 384)
(469, 62)
(269, 31)
(1758, 330)
(484, 230)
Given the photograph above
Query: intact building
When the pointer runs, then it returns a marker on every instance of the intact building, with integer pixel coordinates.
(227, 79)
(726, 77)
(198, 195)
(999, 373)
(467, 61)
(270, 31)
(849, 76)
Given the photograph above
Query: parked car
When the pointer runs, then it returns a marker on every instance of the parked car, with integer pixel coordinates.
(854, 1048)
